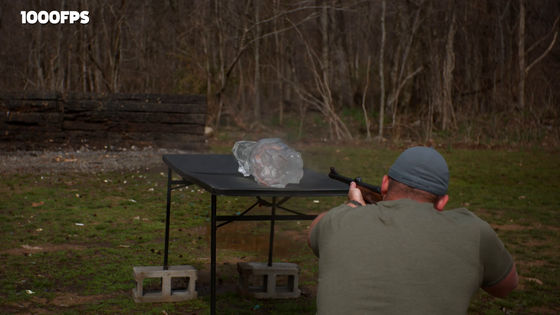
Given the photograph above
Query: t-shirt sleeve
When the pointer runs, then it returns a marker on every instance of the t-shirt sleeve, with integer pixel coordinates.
(496, 260)
(322, 228)
(314, 237)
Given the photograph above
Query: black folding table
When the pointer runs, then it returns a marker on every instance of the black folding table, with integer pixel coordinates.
(218, 174)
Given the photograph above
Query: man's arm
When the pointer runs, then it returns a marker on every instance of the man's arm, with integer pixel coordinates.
(504, 287)
(354, 194)
(315, 221)
(497, 261)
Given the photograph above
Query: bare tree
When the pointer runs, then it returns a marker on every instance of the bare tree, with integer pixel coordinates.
(401, 64)
(320, 95)
(524, 70)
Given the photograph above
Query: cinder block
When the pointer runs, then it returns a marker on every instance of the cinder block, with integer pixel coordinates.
(259, 280)
(166, 293)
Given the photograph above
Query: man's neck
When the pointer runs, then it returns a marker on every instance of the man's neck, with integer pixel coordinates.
(389, 197)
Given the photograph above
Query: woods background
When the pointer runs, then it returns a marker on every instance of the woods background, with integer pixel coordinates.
(477, 70)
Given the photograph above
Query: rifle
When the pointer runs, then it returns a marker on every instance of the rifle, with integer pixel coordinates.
(371, 193)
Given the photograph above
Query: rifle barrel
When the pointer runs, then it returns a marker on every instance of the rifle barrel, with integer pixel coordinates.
(334, 175)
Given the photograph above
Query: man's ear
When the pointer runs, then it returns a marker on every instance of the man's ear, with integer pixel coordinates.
(384, 185)
(441, 202)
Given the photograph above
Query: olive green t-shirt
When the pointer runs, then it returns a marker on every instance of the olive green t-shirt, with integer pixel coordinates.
(404, 257)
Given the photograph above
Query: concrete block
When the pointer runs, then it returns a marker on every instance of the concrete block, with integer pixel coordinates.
(259, 280)
(166, 293)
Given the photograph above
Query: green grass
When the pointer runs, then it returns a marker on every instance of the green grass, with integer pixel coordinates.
(87, 268)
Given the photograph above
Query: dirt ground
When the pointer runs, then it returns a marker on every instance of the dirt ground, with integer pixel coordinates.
(83, 160)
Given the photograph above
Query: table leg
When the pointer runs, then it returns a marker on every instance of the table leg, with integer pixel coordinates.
(271, 238)
(213, 258)
(167, 218)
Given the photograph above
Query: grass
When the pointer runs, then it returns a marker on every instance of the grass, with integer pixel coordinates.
(69, 241)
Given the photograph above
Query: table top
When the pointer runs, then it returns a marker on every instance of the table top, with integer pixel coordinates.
(217, 173)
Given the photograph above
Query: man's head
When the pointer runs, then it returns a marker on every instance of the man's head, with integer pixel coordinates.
(419, 173)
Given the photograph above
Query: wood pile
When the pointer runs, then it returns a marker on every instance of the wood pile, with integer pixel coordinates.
(38, 121)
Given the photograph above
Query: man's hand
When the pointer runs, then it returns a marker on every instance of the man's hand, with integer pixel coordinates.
(354, 193)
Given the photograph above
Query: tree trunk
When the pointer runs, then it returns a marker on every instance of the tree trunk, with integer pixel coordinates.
(447, 78)
(257, 105)
(381, 73)
(221, 60)
(279, 66)
(366, 119)
(521, 55)
(325, 69)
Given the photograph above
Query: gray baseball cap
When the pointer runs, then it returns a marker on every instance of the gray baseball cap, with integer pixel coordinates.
(422, 168)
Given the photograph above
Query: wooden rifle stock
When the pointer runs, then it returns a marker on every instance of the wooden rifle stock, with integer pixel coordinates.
(371, 193)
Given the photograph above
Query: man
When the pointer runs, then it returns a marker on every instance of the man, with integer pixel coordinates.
(404, 255)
